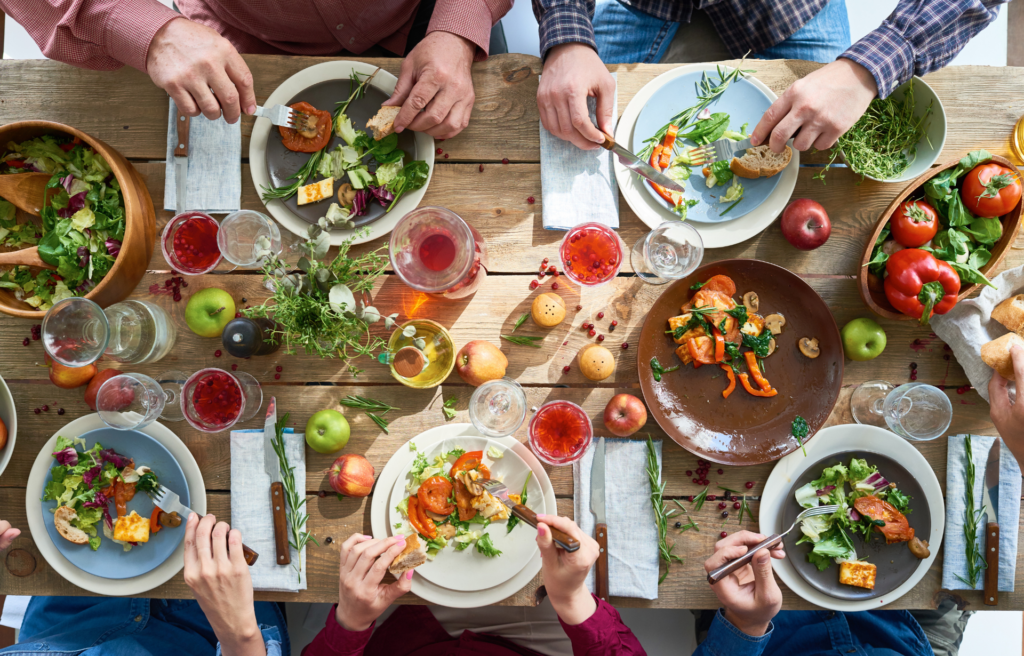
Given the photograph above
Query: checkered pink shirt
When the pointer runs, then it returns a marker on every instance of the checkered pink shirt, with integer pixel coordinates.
(106, 34)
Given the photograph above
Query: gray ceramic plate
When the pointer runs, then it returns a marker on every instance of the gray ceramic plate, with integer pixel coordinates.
(895, 562)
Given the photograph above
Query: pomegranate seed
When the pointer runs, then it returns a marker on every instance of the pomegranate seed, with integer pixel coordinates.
(735, 498)
(565, 369)
(565, 343)
(554, 285)
(234, 367)
(625, 345)
(46, 408)
(591, 333)
(701, 463)
(37, 411)
(216, 353)
(168, 283)
(963, 390)
(534, 284)
(579, 307)
(60, 411)
(279, 368)
(556, 274)
(238, 315)
(25, 342)
(446, 155)
(600, 338)
(439, 151)
(504, 160)
(481, 168)
(725, 513)
(723, 534)
(530, 200)
(720, 472)
(697, 481)
(750, 485)
(736, 505)
(277, 376)
(600, 315)
(689, 473)
(184, 284)
(722, 505)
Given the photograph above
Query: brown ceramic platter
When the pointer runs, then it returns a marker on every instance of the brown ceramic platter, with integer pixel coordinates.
(744, 429)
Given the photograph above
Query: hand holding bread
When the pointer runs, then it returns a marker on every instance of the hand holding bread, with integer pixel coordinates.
(1009, 417)
(362, 595)
(996, 353)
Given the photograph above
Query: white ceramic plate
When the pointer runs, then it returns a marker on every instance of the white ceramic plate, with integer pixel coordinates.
(470, 570)
(89, 582)
(9, 415)
(421, 587)
(715, 235)
(262, 131)
(840, 439)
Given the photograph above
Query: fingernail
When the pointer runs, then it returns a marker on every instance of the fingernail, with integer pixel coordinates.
(400, 537)
(408, 575)
(367, 537)
(251, 109)
(542, 517)
(542, 530)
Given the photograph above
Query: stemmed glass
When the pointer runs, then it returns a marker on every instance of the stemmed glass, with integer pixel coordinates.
(247, 237)
(214, 400)
(134, 401)
(76, 332)
(671, 251)
(498, 407)
(915, 411)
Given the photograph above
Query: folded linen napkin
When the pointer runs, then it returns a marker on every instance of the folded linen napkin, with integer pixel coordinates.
(214, 182)
(969, 325)
(632, 532)
(578, 185)
(954, 562)
(250, 507)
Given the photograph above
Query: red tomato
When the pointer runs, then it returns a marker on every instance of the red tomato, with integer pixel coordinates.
(419, 520)
(702, 349)
(464, 499)
(433, 495)
(720, 283)
(896, 527)
(293, 140)
(914, 223)
(990, 190)
(470, 460)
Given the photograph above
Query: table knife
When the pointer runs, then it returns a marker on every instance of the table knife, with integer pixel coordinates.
(272, 465)
(499, 491)
(181, 161)
(168, 501)
(601, 527)
(990, 499)
(637, 165)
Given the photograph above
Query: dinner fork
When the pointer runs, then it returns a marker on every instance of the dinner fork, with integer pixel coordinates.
(718, 151)
(281, 115)
(168, 501)
(725, 570)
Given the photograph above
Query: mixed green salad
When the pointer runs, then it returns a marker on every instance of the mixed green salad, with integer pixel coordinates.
(830, 534)
(82, 224)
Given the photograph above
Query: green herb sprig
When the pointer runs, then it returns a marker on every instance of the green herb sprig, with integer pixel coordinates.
(448, 408)
(296, 502)
(369, 406)
(800, 430)
(972, 517)
(698, 501)
(523, 340)
(660, 515)
(658, 370)
(520, 321)
(691, 523)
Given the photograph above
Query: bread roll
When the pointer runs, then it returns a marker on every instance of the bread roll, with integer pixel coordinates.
(1010, 313)
(996, 354)
(760, 162)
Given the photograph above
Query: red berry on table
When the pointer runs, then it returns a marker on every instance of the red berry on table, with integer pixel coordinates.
(551, 269)
(625, 345)
(696, 481)
(600, 315)
(60, 411)
(735, 498)
(234, 367)
(439, 151)
(723, 534)
(705, 482)
(689, 472)
(711, 497)
(545, 261)
(446, 155)
(46, 408)
(504, 160)
(600, 338)
(725, 513)
(25, 342)
(579, 307)
(750, 484)
(37, 411)
(554, 285)
(722, 504)
(238, 315)
(278, 368)
(565, 369)
(481, 168)
(216, 353)
(277, 376)
(720, 472)
(591, 333)
(736, 505)
(614, 323)
(701, 463)
(530, 200)
(534, 284)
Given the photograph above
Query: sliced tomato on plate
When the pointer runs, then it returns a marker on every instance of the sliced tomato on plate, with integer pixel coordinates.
(296, 141)
(433, 495)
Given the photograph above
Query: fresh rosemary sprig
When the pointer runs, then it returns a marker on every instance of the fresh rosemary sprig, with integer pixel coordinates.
(744, 508)
(520, 321)
(698, 501)
(691, 524)
(380, 421)
(660, 515)
(523, 340)
(296, 502)
(448, 408)
(975, 560)
(363, 403)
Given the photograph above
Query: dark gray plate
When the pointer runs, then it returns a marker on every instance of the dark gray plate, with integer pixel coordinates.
(282, 162)
(895, 562)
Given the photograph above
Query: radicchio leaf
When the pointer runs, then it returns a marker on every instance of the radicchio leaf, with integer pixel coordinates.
(90, 475)
(83, 256)
(109, 455)
(75, 203)
(113, 247)
(67, 457)
(382, 194)
(362, 200)
(99, 501)
(825, 491)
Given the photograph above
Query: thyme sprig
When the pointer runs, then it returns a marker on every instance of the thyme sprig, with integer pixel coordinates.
(975, 560)
(661, 516)
(296, 502)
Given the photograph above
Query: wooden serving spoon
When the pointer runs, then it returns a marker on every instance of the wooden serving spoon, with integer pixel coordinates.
(25, 190)
(26, 257)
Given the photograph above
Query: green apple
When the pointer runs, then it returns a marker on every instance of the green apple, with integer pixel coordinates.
(327, 431)
(208, 311)
(863, 339)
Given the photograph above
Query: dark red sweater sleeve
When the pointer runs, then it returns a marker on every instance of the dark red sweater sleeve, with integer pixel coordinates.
(333, 640)
(603, 633)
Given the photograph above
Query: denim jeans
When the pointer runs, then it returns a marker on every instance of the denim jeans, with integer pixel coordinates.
(626, 35)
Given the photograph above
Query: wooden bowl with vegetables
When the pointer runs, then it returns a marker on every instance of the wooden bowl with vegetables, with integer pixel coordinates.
(943, 212)
(105, 232)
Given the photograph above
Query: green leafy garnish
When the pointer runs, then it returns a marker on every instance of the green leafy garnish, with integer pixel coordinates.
(659, 370)
(660, 515)
(448, 408)
(520, 321)
(523, 340)
(800, 430)
(513, 520)
(486, 547)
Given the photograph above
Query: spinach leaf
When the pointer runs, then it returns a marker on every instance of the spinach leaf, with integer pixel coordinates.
(709, 129)
(51, 249)
(878, 256)
(759, 344)
(985, 231)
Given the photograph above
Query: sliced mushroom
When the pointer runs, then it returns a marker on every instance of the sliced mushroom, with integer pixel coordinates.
(774, 323)
(306, 124)
(919, 548)
(771, 346)
(751, 301)
(170, 520)
(346, 195)
(809, 347)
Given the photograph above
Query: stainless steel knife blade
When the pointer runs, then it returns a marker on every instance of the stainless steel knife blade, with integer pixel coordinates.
(597, 483)
(637, 165)
(990, 494)
(181, 162)
(271, 465)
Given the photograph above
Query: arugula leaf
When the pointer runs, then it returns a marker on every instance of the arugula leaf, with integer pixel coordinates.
(486, 547)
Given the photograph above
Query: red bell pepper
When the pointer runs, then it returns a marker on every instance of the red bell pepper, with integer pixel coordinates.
(732, 380)
(656, 163)
(919, 284)
(719, 344)
(755, 372)
(667, 146)
(745, 379)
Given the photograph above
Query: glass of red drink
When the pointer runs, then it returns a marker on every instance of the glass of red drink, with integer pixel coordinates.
(214, 400)
(434, 251)
(189, 243)
(591, 254)
(560, 432)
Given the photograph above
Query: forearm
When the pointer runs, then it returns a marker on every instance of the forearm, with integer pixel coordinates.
(726, 639)
(245, 639)
(470, 19)
(335, 640)
(564, 21)
(594, 627)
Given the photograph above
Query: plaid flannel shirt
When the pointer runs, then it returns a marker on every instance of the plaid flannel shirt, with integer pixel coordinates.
(919, 36)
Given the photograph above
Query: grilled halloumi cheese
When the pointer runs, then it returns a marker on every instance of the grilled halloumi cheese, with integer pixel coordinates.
(132, 528)
(682, 320)
(316, 191)
(490, 507)
(858, 573)
(753, 326)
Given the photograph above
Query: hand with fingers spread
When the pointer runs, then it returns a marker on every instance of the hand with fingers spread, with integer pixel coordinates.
(215, 569)
(817, 109)
(574, 72)
(1009, 417)
(7, 534)
(362, 596)
(565, 573)
(750, 595)
(201, 70)
(435, 86)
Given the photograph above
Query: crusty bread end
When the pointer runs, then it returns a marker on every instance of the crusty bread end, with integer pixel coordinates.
(383, 122)
(414, 555)
(996, 354)
(1010, 313)
(62, 521)
(760, 162)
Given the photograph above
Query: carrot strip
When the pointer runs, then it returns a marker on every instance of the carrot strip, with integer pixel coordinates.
(755, 371)
(732, 380)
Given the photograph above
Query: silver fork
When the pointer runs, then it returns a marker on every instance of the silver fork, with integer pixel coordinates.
(718, 151)
(168, 501)
(725, 570)
(281, 115)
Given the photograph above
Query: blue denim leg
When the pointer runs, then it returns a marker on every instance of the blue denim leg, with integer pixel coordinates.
(821, 39)
(625, 35)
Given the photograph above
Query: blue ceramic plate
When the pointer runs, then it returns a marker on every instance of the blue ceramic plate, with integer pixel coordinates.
(744, 103)
(110, 561)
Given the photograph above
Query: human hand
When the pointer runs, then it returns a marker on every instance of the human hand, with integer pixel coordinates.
(188, 60)
(572, 73)
(7, 534)
(750, 595)
(361, 595)
(1008, 418)
(435, 86)
(818, 108)
(215, 569)
(565, 572)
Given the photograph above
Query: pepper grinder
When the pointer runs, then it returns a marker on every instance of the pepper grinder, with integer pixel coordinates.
(244, 337)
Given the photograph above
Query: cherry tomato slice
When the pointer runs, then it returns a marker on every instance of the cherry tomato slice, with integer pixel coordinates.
(720, 283)
(419, 520)
(702, 349)
(293, 140)
(470, 460)
(433, 495)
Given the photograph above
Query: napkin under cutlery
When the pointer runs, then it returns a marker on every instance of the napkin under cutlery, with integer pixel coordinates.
(954, 561)
(214, 183)
(578, 185)
(632, 532)
(250, 507)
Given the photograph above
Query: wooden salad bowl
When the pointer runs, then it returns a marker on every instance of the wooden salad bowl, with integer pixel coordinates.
(870, 286)
(140, 221)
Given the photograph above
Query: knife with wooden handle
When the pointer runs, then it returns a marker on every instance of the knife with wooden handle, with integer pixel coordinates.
(597, 506)
(990, 498)
(272, 465)
(181, 161)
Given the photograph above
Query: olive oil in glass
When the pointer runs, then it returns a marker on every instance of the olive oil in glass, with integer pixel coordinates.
(421, 360)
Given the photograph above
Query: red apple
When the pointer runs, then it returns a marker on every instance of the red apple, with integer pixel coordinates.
(351, 475)
(480, 361)
(95, 384)
(71, 377)
(805, 224)
(624, 415)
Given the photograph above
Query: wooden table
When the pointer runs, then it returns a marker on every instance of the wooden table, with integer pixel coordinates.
(124, 109)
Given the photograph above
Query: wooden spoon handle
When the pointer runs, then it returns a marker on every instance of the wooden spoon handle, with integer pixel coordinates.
(27, 257)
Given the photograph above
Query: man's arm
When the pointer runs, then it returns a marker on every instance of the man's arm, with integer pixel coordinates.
(725, 639)
(470, 19)
(564, 21)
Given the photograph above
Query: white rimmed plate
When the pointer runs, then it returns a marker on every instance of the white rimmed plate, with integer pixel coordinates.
(89, 582)
(9, 415)
(263, 131)
(842, 439)
(652, 213)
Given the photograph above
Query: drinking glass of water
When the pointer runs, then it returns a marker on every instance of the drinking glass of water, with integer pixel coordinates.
(914, 411)
(671, 251)
(246, 238)
(498, 407)
(134, 401)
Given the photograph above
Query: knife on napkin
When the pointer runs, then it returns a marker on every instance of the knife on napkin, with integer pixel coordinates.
(181, 161)
(597, 506)
(272, 465)
(990, 499)
(638, 166)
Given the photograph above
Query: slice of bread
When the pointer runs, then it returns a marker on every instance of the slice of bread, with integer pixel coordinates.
(760, 162)
(1010, 313)
(383, 122)
(996, 354)
(62, 521)
(414, 555)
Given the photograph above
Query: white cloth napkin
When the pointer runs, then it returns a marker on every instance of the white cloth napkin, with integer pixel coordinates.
(969, 325)
(578, 185)
(250, 507)
(632, 532)
(954, 560)
(214, 182)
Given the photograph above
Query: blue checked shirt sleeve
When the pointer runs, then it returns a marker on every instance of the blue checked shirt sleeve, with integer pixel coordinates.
(724, 639)
(920, 36)
(564, 21)
(271, 640)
